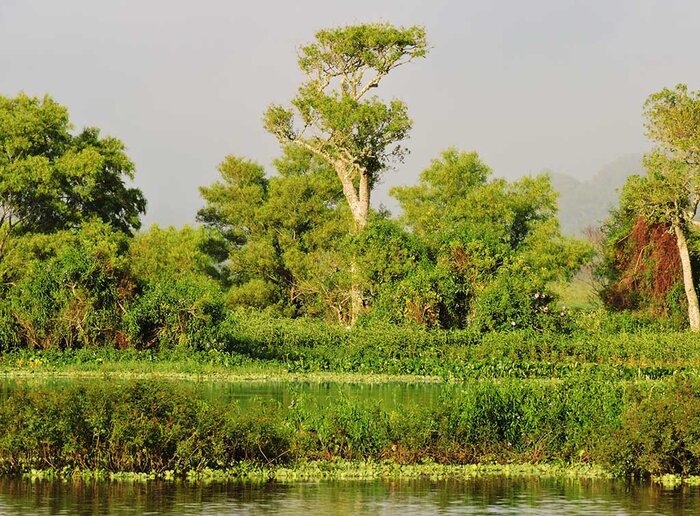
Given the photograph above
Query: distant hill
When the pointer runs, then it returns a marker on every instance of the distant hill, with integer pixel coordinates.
(587, 203)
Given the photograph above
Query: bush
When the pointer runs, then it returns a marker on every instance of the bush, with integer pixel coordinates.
(9, 331)
(74, 297)
(646, 428)
(180, 312)
(516, 299)
(136, 427)
(660, 429)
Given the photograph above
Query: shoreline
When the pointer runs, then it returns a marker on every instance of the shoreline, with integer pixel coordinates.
(223, 376)
(319, 470)
(358, 471)
(230, 367)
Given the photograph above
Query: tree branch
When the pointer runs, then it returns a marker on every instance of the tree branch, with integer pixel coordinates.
(371, 84)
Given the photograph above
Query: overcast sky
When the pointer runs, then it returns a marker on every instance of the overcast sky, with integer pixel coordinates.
(530, 85)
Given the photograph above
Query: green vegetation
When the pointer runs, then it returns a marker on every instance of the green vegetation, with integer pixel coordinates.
(51, 179)
(470, 254)
(258, 345)
(340, 469)
(657, 211)
(355, 133)
(294, 275)
(146, 427)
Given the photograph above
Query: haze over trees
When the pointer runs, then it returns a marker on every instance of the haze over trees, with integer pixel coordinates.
(469, 252)
(586, 204)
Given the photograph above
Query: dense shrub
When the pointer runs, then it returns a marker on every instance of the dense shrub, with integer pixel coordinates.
(647, 428)
(9, 331)
(131, 427)
(517, 299)
(87, 288)
(178, 312)
(660, 429)
(74, 297)
(376, 347)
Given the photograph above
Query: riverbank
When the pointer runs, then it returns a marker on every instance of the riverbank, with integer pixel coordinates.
(313, 471)
(621, 357)
(305, 471)
(185, 366)
(639, 428)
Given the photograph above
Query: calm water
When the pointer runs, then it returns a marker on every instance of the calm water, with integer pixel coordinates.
(485, 496)
(388, 394)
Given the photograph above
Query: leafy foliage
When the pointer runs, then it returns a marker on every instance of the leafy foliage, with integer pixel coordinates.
(285, 234)
(155, 427)
(355, 134)
(74, 297)
(51, 180)
(494, 246)
(641, 267)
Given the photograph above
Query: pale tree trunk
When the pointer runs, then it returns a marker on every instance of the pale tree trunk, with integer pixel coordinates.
(688, 283)
(358, 200)
(357, 303)
(362, 216)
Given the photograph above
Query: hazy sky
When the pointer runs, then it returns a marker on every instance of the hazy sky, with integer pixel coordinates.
(530, 85)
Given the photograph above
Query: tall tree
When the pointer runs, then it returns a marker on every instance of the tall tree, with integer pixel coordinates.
(52, 180)
(335, 117)
(670, 193)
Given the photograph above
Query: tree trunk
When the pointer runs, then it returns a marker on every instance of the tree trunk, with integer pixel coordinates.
(358, 200)
(360, 214)
(688, 283)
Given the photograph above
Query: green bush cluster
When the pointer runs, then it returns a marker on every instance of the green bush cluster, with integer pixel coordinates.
(190, 314)
(659, 431)
(96, 287)
(182, 312)
(136, 427)
(375, 347)
(644, 428)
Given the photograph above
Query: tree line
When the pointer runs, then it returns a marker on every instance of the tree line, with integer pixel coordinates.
(468, 250)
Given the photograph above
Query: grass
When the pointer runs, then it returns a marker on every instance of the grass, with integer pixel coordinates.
(578, 294)
(211, 366)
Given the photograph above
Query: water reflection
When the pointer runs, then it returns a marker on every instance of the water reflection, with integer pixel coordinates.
(496, 495)
(390, 395)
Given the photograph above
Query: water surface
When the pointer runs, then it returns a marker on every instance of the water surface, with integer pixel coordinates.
(493, 495)
(389, 395)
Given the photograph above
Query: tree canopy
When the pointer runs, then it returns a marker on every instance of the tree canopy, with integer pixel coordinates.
(52, 180)
(494, 245)
(333, 115)
(285, 233)
(669, 194)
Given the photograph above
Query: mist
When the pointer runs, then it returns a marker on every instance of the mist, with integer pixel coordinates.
(546, 85)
